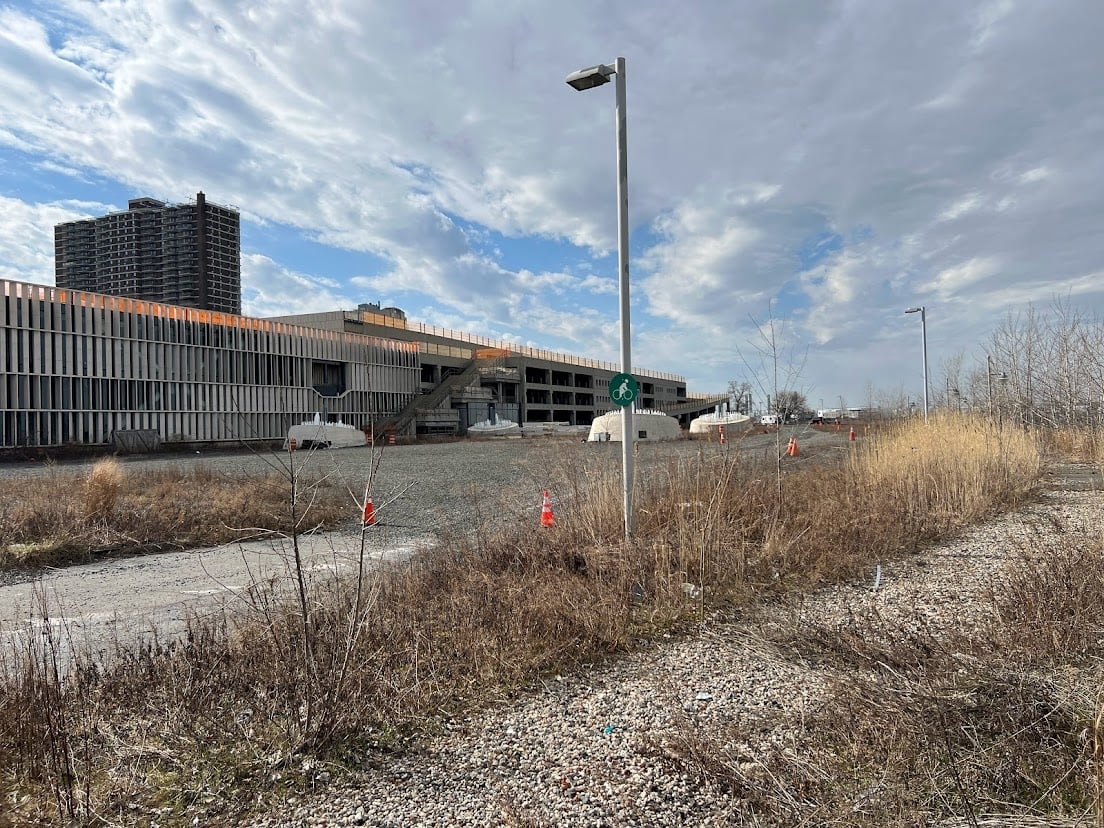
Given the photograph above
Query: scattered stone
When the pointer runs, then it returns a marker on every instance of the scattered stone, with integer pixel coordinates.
(562, 767)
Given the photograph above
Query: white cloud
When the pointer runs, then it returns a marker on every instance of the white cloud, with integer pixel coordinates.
(953, 280)
(27, 236)
(964, 205)
(700, 255)
(842, 160)
(1034, 175)
(269, 289)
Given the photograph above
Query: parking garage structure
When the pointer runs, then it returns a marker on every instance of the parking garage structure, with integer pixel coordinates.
(84, 368)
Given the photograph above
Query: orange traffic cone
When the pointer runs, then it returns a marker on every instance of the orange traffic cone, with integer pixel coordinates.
(792, 451)
(852, 437)
(722, 430)
(369, 511)
(547, 518)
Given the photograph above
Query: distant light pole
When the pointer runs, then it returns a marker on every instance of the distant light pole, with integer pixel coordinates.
(924, 335)
(1000, 375)
(588, 79)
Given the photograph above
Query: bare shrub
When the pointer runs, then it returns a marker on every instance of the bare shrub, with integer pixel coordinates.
(102, 488)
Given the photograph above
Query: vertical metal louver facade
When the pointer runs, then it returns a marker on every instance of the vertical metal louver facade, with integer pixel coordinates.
(77, 367)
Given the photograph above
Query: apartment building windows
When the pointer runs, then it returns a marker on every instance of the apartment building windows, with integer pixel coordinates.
(180, 254)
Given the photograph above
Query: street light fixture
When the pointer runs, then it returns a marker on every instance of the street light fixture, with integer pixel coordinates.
(588, 79)
(591, 77)
(924, 335)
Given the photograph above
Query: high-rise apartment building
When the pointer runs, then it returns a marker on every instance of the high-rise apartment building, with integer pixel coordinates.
(178, 254)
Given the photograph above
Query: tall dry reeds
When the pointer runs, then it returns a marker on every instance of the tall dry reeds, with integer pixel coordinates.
(1080, 443)
(952, 467)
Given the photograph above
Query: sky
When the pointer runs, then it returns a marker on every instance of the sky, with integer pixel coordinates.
(811, 166)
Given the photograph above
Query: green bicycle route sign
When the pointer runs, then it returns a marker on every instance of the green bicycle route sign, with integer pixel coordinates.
(623, 389)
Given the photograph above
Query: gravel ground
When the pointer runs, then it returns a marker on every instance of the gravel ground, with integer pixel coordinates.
(420, 491)
(580, 751)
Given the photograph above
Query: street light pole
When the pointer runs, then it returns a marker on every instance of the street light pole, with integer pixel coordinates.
(988, 372)
(582, 80)
(1002, 376)
(924, 335)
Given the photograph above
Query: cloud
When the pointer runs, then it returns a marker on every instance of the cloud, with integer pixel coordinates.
(269, 289)
(955, 279)
(27, 236)
(840, 161)
(737, 248)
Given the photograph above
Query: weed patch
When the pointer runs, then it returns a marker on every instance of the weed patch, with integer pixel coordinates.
(204, 727)
(922, 725)
(63, 517)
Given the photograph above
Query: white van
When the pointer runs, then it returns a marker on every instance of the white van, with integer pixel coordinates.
(770, 419)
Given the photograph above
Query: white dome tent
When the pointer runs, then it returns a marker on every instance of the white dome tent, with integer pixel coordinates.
(318, 433)
(648, 425)
(711, 423)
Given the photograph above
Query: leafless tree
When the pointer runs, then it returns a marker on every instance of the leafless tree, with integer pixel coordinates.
(1044, 368)
(774, 366)
(740, 392)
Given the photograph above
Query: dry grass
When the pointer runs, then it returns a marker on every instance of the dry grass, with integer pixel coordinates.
(1074, 442)
(1002, 727)
(950, 470)
(64, 516)
(249, 704)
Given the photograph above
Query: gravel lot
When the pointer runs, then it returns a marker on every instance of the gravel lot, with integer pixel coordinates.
(422, 487)
(420, 491)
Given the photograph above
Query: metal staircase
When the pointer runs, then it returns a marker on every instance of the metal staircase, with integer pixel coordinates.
(467, 375)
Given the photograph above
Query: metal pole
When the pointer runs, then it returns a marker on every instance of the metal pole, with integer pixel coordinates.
(989, 377)
(924, 335)
(623, 287)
